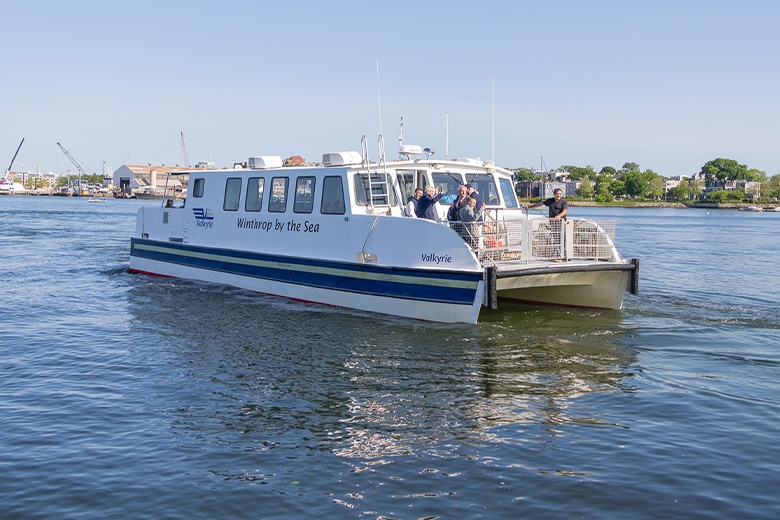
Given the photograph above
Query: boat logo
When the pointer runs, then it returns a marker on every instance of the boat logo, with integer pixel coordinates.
(203, 217)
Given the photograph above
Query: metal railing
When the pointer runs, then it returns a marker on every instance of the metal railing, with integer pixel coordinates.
(540, 239)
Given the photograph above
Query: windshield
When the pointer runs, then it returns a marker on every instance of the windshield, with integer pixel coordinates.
(448, 183)
(510, 199)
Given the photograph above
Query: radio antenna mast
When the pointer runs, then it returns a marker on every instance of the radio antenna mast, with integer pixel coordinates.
(379, 106)
(493, 117)
(447, 135)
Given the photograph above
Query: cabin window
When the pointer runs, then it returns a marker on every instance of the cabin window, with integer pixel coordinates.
(408, 180)
(232, 194)
(197, 188)
(508, 192)
(278, 200)
(378, 190)
(486, 187)
(332, 196)
(304, 195)
(254, 194)
(449, 184)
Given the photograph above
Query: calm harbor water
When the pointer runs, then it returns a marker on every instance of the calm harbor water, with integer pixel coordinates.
(128, 396)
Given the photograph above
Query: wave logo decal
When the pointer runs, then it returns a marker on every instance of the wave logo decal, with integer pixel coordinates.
(203, 217)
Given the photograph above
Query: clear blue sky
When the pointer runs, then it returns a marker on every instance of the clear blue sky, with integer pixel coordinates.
(669, 85)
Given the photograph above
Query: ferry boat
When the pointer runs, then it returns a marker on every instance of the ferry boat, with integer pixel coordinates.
(338, 234)
(12, 188)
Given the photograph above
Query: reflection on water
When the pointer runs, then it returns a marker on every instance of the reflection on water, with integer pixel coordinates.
(263, 373)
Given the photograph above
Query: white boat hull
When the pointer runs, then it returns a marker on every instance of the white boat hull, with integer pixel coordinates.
(441, 296)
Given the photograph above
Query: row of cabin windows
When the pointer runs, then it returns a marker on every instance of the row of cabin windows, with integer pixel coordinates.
(331, 200)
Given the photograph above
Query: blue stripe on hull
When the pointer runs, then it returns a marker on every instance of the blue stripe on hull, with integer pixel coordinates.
(414, 284)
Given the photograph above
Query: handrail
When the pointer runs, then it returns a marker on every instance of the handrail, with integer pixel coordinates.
(528, 240)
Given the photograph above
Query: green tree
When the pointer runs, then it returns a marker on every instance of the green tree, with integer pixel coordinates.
(724, 169)
(603, 188)
(634, 183)
(618, 188)
(773, 188)
(655, 187)
(608, 170)
(718, 196)
(754, 175)
(682, 191)
(586, 188)
(577, 172)
(630, 167)
(525, 174)
(697, 185)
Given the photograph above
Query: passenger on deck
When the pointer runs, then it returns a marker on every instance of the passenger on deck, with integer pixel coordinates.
(457, 204)
(411, 206)
(470, 215)
(557, 205)
(472, 191)
(426, 205)
(169, 203)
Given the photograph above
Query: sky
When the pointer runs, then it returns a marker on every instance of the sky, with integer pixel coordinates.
(668, 85)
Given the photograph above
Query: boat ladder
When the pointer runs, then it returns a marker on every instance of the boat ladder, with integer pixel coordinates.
(376, 182)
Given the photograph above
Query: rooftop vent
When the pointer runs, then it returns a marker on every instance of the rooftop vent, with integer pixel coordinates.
(341, 159)
(265, 162)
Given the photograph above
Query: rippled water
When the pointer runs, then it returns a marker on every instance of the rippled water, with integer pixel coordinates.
(137, 397)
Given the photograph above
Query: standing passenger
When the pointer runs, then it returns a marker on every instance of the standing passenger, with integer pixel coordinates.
(557, 205)
(457, 204)
(426, 205)
(411, 207)
(470, 215)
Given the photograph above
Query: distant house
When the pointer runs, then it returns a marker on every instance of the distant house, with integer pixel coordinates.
(753, 189)
(295, 160)
(544, 189)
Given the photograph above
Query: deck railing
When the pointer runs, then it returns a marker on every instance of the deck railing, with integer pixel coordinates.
(540, 239)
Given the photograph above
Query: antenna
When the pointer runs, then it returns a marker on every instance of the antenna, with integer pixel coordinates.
(493, 117)
(379, 106)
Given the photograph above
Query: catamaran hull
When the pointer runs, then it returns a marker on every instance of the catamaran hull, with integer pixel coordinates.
(572, 287)
(432, 295)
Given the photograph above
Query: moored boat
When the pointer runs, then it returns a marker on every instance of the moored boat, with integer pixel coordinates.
(338, 234)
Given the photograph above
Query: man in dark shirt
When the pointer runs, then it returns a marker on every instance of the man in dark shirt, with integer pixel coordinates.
(457, 204)
(556, 205)
(426, 205)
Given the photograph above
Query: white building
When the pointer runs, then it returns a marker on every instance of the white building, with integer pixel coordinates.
(131, 178)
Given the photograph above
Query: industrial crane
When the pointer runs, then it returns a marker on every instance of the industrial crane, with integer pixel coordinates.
(8, 174)
(75, 163)
(184, 159)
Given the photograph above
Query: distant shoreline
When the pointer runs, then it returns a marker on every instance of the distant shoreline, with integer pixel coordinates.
(700, 205)
(573, 203)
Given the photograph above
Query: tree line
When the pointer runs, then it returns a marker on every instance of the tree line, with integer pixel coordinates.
(630, 181)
